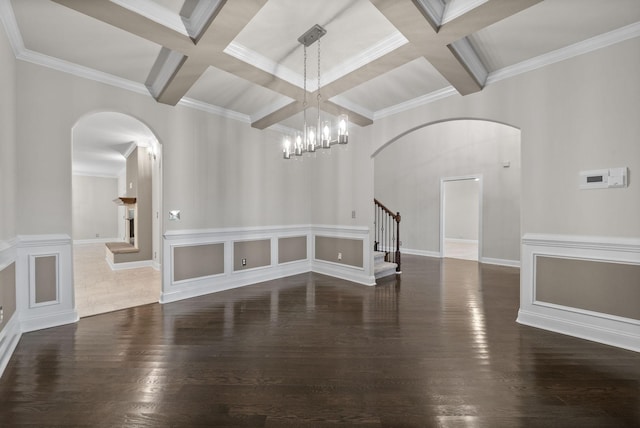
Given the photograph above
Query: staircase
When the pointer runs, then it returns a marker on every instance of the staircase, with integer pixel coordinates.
(382, 268)
(386, 241)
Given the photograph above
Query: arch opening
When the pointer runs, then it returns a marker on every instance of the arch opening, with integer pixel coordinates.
(410, 169)
(116, 200)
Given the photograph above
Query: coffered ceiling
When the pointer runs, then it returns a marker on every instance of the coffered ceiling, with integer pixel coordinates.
(242, 58)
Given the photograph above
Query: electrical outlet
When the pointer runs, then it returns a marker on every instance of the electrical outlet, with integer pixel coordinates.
(353, 214)
(244, 262)
(1, 314)
(339, 256)
(97, 235)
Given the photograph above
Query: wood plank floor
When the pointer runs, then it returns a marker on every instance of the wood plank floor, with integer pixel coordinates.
(440, 348)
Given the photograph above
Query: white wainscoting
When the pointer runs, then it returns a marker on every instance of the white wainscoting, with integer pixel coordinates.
(10, 334)
(178, 290)
(363, 275)
(62, 310)
(598, 327)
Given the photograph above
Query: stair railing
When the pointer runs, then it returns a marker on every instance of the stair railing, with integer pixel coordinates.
(387, 233)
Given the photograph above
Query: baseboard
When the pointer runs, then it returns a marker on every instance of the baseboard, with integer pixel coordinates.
(48, 320)
(129, 265)
(9, 338)
(500, 262)
(200, 286)
(461, 241)
(95, 241)
(601, 330)
(423, 253)
(343, 272)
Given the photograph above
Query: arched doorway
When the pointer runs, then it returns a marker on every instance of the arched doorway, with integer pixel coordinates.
(409, 171)
(117, 241)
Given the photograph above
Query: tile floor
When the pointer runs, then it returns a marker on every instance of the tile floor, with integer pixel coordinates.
(461, 250)
(98, 289)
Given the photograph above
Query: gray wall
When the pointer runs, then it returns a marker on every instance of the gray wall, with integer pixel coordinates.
(94, 212)
(408, 174)
(7, 140)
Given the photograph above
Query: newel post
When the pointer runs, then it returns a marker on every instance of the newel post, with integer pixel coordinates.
(398, 269)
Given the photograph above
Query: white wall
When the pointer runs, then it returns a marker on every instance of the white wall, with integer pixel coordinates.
(579, 114)
(408, 174)
(461, 209)
(95, 215)
(7, 140)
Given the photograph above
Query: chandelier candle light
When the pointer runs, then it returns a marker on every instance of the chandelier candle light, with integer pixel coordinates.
(318, 135)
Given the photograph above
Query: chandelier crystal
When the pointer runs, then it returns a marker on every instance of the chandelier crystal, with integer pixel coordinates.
(318, 135)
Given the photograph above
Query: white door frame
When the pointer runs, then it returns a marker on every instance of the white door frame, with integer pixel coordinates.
(443, 180)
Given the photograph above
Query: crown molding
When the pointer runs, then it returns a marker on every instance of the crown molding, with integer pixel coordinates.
(383, 47)
(213, 109)
(8, 19)
(80, 71)
(271, 108)
(598, 42)
(252, 57)
(415, 102)
(349, 105)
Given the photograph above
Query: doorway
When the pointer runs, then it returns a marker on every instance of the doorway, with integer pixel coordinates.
(461, 217)
(105, 145)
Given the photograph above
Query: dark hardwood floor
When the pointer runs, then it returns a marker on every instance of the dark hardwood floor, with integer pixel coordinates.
(440, 348)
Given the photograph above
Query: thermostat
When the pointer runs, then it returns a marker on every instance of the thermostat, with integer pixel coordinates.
(603, 178)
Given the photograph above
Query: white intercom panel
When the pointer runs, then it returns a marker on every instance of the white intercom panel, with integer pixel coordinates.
(603, 178)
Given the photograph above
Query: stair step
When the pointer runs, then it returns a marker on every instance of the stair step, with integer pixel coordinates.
(378, 256)
(384, 269)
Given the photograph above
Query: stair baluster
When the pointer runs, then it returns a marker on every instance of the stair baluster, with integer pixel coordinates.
(389, 240)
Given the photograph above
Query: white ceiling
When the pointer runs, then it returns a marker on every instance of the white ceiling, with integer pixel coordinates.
(378, 56)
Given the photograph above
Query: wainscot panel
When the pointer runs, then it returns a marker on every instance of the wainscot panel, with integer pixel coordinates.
(251, 254)
(9, 325)
(44, 278)
(354, 244)
(292, 249)
(197, 261)
(261, 249)
(586, 287)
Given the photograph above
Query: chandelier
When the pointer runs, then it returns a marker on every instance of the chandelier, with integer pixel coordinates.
(318, 134)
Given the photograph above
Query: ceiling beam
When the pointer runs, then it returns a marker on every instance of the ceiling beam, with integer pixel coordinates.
(488, 13)
(230, 19)
(132, 22)
(375, 68)
(443, 45)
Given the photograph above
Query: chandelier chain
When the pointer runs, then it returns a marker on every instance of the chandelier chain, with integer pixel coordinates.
(304, 83)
